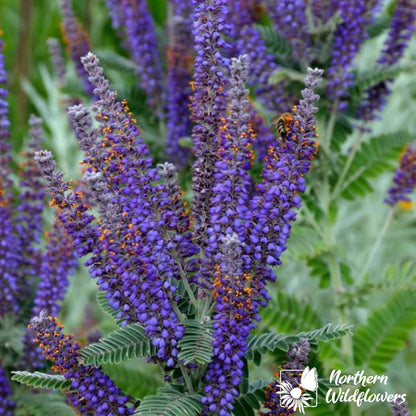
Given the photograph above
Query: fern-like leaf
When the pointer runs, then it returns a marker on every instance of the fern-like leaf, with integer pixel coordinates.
(196, 344)
(287, 314)
(259, 345)
(170, 402)
(105, 307)
(250, 397)
(385, 332)
(133, 379)
(373, 159)
(121, 345)
(43, 405)
(305, 243)
(276, 43)
(41, 380)
(367, 79)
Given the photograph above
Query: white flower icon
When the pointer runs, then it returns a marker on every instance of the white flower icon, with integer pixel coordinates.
(295, 397)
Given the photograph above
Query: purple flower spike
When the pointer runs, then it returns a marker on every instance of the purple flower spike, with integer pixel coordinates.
(289, 18)
(349, 36)
(58, 262)
(402, 27)
(9, 243)
(95, 393)
(4, 105)
(208, 103)
(57, 60)
(229, 203)
(285, 165)
(6, 405)
(405, 178)
(76, 40)
(234, 319)
(400, 409)
(136, 237)
(247, 40)
(134, 22)
(180, 65)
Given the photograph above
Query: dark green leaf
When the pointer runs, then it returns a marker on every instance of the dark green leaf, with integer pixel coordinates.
(121, 345)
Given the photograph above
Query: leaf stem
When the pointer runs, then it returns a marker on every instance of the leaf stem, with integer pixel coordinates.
(330, 127)
(347, 166)
(377, 244)
(186, 377)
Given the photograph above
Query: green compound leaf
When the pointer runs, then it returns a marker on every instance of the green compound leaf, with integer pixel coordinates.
(170, 402)
(367, 79)
(105, 307)
(373, 159)
(135, 379)
(121, 345)
(42, 380)
(259, 345)
(385, 332)
(43, 405)
(305, 243)
(287, 314)
(275, 42)
(196, 344)
(250, 398)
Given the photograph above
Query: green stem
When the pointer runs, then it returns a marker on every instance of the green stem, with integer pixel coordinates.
(377, 244)
(312, 221)
(186, 377)
(347, 166)
(346, 341)
(331, 124)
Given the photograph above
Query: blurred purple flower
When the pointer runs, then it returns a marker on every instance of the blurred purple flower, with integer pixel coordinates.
(57, 60)
(180, 65)
(348, 38)
(6, 405)
(400, 409)
(208, 103)
(76, 40)
(405, 177)
(402, 27)
(133, 20)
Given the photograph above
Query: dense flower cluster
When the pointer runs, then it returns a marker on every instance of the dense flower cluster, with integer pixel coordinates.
(133, 19)
(93, 391)
(208, 102)
(247, 40)
(6, 405)
(54, 271)
(234, 319)
(289, 18)
(4, 107)
(400, 409)
(180, 66)
(349, 36)
(263, 228)
(401, 29)
(28, 215)
(298, 357)
(131, 260)
(76, 40)
(405, 178)
(9, 244)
